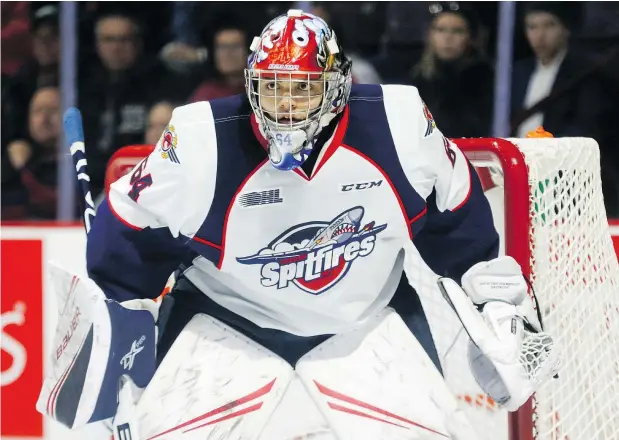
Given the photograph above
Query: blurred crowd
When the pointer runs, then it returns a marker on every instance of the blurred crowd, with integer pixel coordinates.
(139, 60)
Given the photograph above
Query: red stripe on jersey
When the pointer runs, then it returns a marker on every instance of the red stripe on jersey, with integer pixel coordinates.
(418, 216)
(120, 219)
(256, 129)
(206, 242)
(338, 137)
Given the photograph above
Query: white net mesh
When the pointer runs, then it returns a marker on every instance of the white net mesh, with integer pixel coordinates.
(535, 355)
(575, 274)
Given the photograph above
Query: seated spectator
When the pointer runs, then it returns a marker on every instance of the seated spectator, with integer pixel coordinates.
(192, 24)
(556, 87)
(184, 53)
(115, 96)
(41, 70)
(158, 118)
(453, 78)
(230, 51)
(34, 161)
(564, 90)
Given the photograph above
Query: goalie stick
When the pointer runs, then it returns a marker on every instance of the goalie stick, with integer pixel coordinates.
(74, 133)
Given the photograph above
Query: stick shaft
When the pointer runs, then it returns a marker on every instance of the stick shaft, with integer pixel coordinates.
(74, 133)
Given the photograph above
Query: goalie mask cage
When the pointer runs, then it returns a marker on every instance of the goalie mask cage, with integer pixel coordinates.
(548, 207)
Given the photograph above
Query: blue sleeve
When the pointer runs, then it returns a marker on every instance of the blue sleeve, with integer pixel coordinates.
(450, 242)
(129, 263)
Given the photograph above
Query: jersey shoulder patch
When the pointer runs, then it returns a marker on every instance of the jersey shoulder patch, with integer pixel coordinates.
(168, 143)
(430, 124)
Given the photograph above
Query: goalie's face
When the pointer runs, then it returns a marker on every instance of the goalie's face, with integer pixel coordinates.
(290, 98)
(297, 80)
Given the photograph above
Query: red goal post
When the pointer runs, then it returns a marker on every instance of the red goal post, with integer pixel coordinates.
(516, 189)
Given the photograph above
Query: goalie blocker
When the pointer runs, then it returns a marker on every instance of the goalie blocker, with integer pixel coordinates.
(97, 342)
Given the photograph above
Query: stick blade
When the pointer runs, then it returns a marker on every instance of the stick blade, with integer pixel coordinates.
(72, 122)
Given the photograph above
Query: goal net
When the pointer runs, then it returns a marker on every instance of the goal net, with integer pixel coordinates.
(547, 204)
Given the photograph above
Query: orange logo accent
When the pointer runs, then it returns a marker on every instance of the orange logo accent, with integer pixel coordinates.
(539, 132)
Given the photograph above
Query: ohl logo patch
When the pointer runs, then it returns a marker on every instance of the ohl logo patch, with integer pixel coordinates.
(316, 255)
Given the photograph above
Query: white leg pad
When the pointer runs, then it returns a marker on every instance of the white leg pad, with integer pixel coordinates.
(377, 382)
(213, 383)
(297, 417)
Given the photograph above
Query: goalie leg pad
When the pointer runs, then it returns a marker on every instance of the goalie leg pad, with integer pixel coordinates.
(214, 382)
(97, 342)
(297, 417)
(377, 382)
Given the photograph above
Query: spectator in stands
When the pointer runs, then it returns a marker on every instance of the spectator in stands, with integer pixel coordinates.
(453, 77)
(563, 89)
(192, 25)
(158, 118)
(116, 94)
(41, 70)
(230, 51)
(45, 45)
(556, 88)
(185, 52)
(34, 160)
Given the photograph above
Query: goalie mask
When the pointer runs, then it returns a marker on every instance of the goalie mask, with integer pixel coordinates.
(298, 80)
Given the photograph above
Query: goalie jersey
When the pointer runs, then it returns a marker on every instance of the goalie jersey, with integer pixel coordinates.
(308, 254)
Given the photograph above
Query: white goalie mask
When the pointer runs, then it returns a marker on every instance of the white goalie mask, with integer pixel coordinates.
(297, 81)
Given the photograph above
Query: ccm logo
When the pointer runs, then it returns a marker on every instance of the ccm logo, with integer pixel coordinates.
(361, 186)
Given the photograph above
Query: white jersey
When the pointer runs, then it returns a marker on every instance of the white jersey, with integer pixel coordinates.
(306, 254)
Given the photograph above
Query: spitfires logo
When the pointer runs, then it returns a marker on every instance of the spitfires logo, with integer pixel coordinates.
(316, 255)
